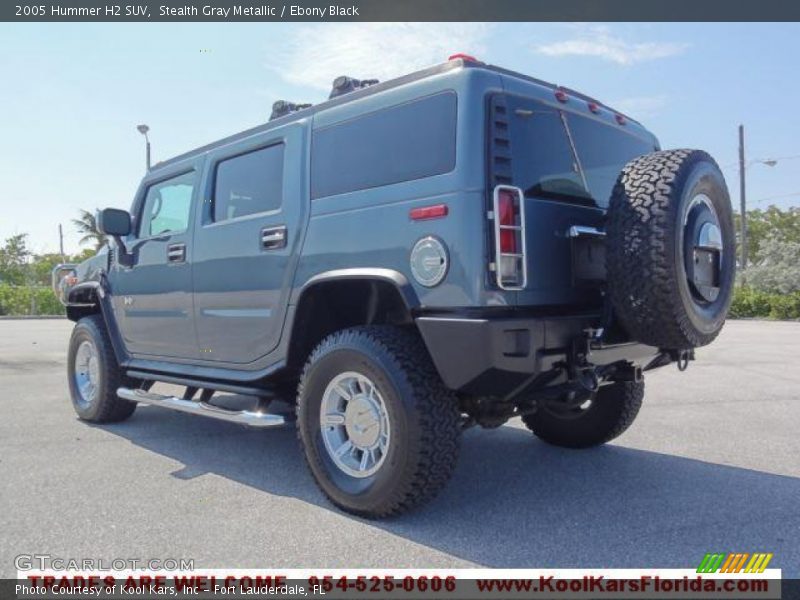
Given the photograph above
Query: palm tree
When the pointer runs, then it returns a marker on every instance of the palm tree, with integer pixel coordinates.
(87, 225)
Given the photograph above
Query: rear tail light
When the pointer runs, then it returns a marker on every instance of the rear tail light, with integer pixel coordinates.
(507, 213)
(509, 230)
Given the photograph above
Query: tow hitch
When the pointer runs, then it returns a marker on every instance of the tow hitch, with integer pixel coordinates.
(682, 358)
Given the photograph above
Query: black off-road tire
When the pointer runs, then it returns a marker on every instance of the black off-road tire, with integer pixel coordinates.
(613, 409)
(647, 276)
(423, 415)
(105, 406)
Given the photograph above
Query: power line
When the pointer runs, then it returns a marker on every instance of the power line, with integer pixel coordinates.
(762, 160)
(781, 196)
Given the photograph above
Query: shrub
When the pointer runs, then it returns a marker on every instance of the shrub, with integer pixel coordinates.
(25, 300)
(777, 269)
(749, 302)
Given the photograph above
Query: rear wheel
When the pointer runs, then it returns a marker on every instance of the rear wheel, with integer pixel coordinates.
(604, 415)
(670, 249)
(379, 430)
(94, 374)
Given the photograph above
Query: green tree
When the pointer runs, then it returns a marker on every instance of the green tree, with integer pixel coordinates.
(14, 257)
(777, 270)
(42, 265)
(771, 223)
(87, 225)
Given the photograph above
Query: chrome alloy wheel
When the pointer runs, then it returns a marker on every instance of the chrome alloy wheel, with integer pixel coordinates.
(355, 424)
(702, 249)
(86, 372)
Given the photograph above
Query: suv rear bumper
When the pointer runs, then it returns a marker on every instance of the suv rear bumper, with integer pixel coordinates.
(493, 356)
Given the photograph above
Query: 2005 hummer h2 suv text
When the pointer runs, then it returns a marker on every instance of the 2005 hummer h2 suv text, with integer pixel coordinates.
(458, 246)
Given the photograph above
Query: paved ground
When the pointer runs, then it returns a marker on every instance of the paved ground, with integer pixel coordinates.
(712, 464)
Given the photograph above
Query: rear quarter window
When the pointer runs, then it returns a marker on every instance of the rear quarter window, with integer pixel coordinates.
(401, 143)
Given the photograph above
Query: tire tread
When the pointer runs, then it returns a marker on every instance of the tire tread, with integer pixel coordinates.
(641, 240)
(111, 408)
(436, 406)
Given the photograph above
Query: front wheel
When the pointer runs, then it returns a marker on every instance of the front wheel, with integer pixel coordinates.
(94, 374)
(605, 415)
(379, 430)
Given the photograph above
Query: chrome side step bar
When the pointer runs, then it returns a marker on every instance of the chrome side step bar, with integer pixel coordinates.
(204, 409)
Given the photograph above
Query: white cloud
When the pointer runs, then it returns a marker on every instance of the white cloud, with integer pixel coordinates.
(599, 42)
(641, 107)
(315, 54)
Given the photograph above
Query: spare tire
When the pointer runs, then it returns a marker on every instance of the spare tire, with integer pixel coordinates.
(670, 253)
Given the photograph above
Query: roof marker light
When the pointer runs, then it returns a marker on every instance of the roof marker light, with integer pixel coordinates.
(620, 119)
(561, 96)
(467, 57)
(594, 107)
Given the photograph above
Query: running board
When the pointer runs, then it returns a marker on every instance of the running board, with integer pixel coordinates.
(204, 409)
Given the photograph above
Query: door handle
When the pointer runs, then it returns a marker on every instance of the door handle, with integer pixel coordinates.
(273, 238)
(176, 253)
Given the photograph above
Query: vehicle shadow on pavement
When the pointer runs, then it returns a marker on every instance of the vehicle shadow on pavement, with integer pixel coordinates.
(517, 502)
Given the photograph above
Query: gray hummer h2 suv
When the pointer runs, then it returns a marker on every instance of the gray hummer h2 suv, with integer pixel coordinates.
(455, 247)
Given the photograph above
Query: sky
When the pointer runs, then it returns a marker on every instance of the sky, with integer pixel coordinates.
(71, 95)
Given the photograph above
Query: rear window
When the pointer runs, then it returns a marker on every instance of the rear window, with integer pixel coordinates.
(409, 141)
(249, 183)
(563, 156)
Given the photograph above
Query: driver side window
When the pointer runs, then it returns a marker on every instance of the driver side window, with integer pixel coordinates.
(167, 206)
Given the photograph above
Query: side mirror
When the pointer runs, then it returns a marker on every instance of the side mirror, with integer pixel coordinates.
(114, 222)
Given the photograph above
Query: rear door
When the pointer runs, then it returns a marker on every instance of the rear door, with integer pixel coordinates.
(246, 243)
(565, 159)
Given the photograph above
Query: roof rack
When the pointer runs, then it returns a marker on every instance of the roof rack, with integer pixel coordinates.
(344, 85)
(282, 108)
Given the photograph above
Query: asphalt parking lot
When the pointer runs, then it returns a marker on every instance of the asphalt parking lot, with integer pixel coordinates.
(711, 465)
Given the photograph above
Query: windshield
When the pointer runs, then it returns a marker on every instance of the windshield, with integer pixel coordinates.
(563, 156)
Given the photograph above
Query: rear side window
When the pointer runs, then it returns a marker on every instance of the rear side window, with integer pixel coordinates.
(409, 141)
(249, 183)
(167, 206)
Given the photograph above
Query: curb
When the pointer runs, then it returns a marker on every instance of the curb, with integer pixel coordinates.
(31, 317)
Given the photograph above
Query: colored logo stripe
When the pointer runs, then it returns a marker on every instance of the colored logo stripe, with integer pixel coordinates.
(734, 562)
(711, 563)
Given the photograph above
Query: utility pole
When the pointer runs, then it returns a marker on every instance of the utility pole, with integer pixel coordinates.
(143, 129)
(742, 199)
(61, 242)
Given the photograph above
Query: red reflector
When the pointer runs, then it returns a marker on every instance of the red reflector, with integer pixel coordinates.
(428, 212)
(561, 95)
(594, 107)
(620, 119)
(462, 57)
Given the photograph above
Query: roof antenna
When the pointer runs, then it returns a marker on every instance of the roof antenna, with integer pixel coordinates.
(281, 108)
(344, 85)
